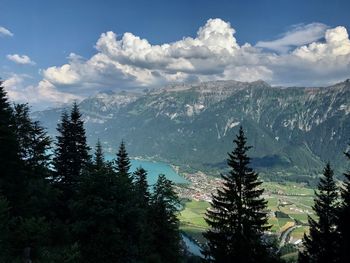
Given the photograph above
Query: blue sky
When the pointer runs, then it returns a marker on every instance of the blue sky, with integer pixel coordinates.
(60, 50)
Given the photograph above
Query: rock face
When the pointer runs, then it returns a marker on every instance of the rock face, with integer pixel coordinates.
(293, 130)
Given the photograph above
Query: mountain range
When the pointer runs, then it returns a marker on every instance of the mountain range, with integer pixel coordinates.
(293, 130)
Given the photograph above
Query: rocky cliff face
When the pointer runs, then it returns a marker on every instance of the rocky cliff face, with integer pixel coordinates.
(293, 130)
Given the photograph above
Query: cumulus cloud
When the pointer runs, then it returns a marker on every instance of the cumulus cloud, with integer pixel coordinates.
(5, 32)
(42, 95)
(132, 61)
(307, 55)
(20, 59)
(299, 35)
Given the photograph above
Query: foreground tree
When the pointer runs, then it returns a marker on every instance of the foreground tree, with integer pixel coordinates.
(238, 214)
(321, 245)
(125, 207)
(95, 212)
(344, 217)
(12, 185)
(164, 222)
(5, 232)
(142, 202)
(70, 160)
(34, 146)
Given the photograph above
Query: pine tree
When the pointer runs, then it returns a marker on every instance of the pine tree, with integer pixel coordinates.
(62, 158)
(70, 161)
(141, 187)
(71, 153)
(238, 217)
(122, 164)
(344, 217)
(5, 232)
(127, 219)
(12, 183)
(34, 143)
(97, 214)
(165, 224)
(78, 143)
(143, 213)
(99, 162)
(321, 245)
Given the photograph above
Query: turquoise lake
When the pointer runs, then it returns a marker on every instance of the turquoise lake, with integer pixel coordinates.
(154, 169)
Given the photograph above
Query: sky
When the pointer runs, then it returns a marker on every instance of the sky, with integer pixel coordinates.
(53, 52)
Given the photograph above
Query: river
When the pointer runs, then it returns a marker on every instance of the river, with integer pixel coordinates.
(192, 247)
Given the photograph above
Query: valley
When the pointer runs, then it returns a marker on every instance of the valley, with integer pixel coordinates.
(289, 206)
(293, 130)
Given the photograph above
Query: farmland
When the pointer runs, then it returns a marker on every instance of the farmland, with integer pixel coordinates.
(289, 206)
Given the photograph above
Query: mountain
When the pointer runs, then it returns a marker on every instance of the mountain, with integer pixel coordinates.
(294, 130)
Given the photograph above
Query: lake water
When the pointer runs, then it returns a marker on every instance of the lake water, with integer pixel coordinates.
(154, 169)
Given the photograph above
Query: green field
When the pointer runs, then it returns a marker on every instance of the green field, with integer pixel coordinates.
(294, 200)
(192, 219)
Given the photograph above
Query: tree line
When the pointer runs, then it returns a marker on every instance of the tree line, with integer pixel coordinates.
(65, 205)
(238, 217)
(59, 203)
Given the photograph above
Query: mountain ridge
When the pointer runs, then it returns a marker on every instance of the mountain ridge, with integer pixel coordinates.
(293, 130)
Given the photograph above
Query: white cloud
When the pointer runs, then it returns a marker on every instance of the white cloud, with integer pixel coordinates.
(42, 95)
(316, 56)
(5, 32)
(299, 35)
(20, 59)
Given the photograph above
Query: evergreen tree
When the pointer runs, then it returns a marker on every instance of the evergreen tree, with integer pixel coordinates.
(142, 202)
(99, 162)
(322, 243)
(127, 220)
(238, 217)
(97, 215)
(12, 185)
(141, 188)
(24, 167)
(122, 164)
(4, 230)
(71, 153)
(164, 222)
(78, 144)
(34, 143)
(344, 217)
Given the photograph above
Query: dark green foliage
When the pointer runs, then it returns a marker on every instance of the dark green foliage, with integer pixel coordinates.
(4, 229)
(96, 215)
(122, 164)
(141, 187)
(321, 245)
(34, 146)
(71, 153)
(26, 194)
(238, 216)
(164, 223)
(77, 145)
(71, 159)
(344, 217)
(99, 162)
(142, 204)
(127, 220)
(62, 155)
(34, 142)
(11, 175)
